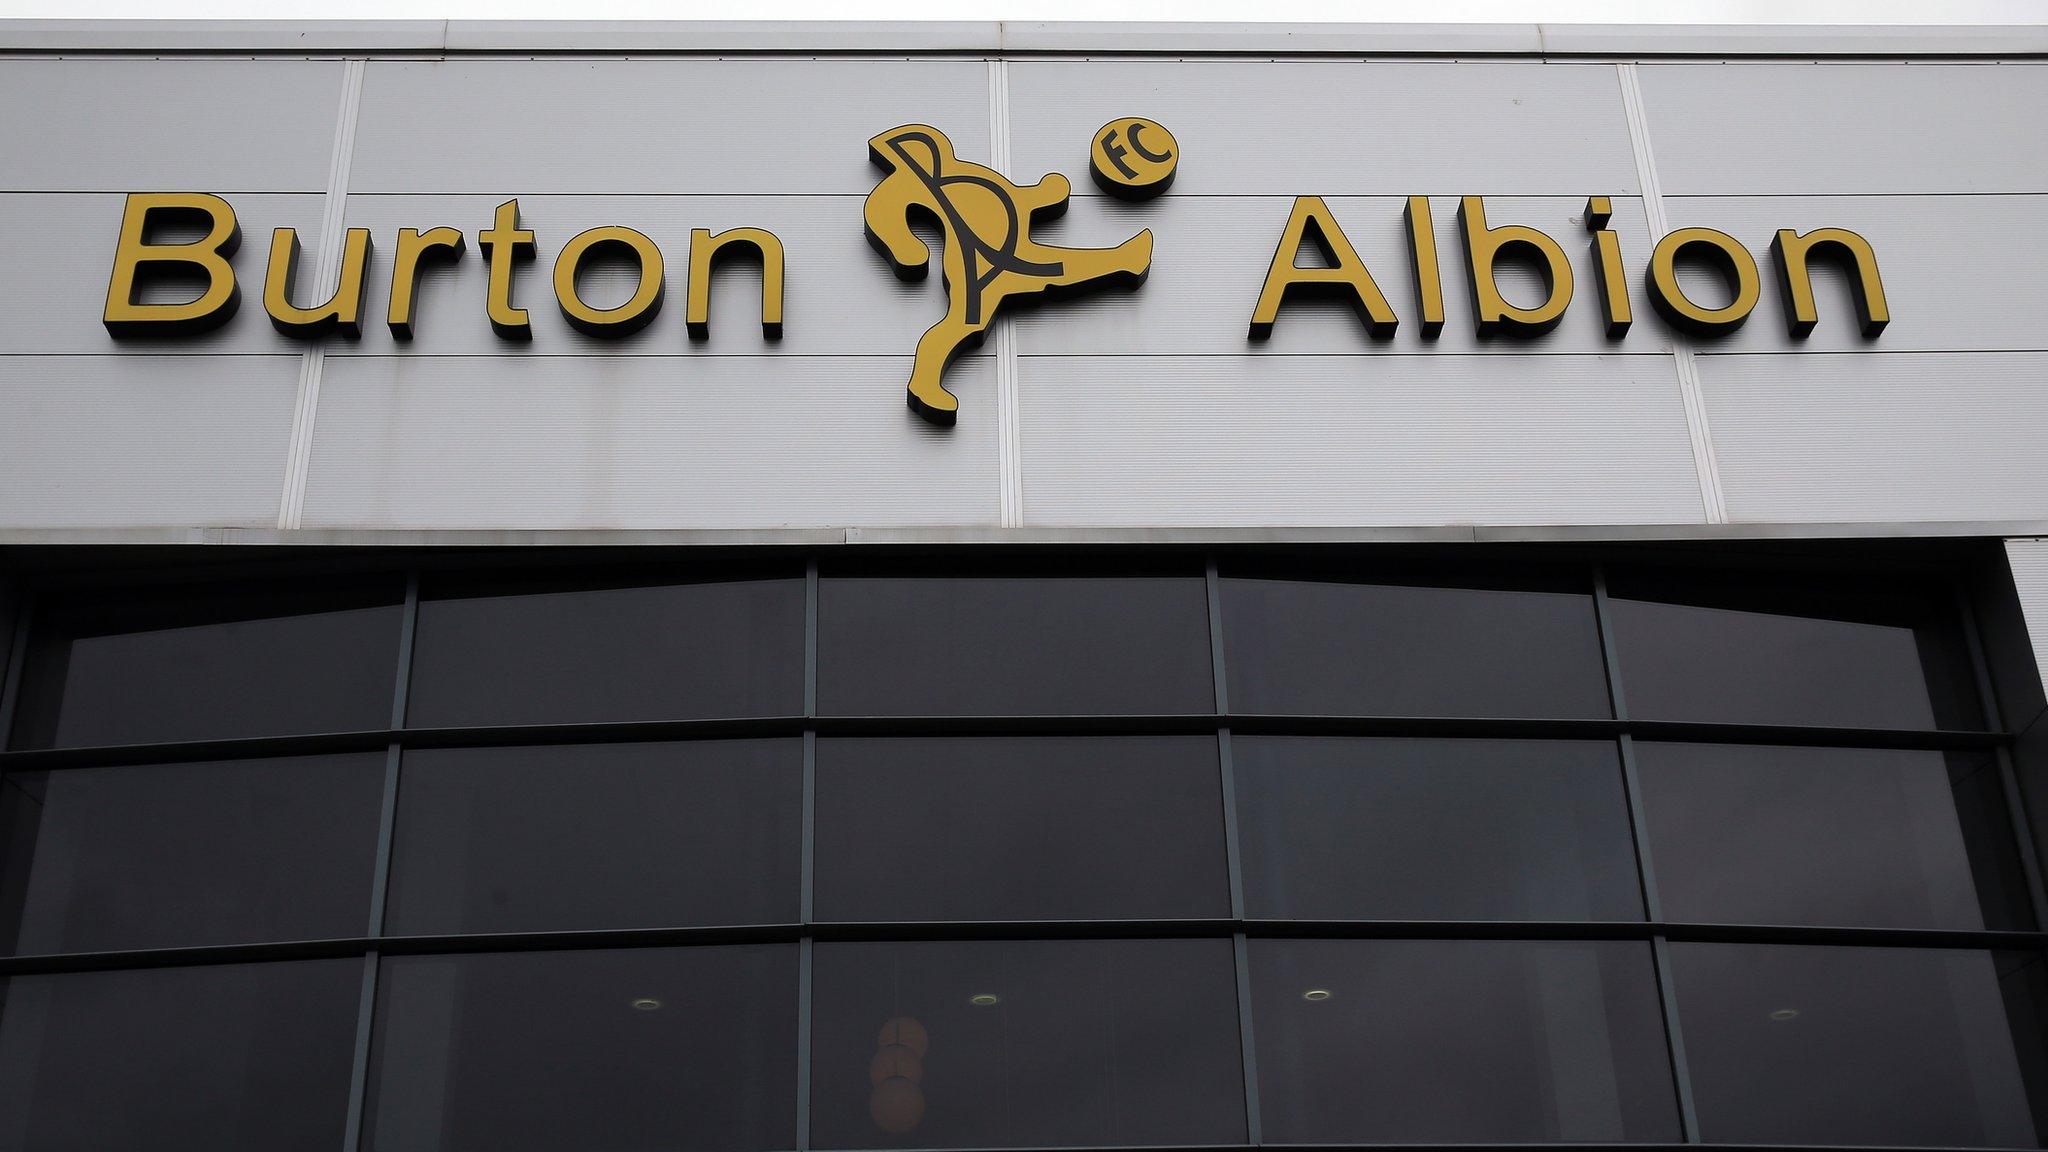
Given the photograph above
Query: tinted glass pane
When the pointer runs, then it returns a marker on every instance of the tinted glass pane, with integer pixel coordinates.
(249, 1056)
(1411, 644)
(1902, 1046)
(1020, 829)
(597, 836)
(1013, 646)
(529, 653)
(139, 667)
(1460, 1040)
(1742, 649)
(170, 855)
(1025, 1044)
(648, 1048)
(1867, 837)
(1395, 829)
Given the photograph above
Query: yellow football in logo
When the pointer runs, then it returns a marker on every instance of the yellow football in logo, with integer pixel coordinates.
(1134, 158)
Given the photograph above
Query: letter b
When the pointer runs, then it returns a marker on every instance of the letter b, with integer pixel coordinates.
(133, 253)
(1484, 245)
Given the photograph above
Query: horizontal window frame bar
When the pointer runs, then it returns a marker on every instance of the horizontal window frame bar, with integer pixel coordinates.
(88, 566)
(1187, 724)
(1418, 1146)
(934, 931)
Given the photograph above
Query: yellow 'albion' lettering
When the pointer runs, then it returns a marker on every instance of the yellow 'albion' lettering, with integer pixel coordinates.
(1343, 277)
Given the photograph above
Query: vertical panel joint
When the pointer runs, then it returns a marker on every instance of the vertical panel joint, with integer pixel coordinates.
(1248, 1053)
(803, 1044)
(359, 1068)
(1713, 502)
(17, 663)
(312, 362)
(1688, 1116)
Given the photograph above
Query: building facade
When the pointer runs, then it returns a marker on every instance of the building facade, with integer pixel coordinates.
(1426, 586)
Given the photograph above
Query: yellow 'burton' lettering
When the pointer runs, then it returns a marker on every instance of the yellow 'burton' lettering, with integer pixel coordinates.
(135, 256)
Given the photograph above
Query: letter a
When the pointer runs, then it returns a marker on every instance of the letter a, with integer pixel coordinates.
(1344, 277)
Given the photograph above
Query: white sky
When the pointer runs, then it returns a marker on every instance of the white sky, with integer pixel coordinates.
(1435, 11)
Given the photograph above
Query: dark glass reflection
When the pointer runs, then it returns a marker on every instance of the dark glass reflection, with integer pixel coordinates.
(1428, 1041)
(998, 1043)
(649, 1048)
(597, 836)
(172, 855)
(529, 652)
(1741, 648)
(994, 828)
(225, 661)
(1411, 643)
(1896, 1046)
(1866, 837)
(1011, 645)
(251, 1056)
(1398, 829)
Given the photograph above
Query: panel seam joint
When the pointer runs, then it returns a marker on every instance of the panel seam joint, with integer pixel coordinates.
(1713, 503)
(312, 362)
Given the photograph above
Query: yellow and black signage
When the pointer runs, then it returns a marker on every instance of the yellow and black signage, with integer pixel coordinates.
(990, 258)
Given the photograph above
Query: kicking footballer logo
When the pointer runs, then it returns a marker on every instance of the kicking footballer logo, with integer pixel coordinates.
(990, 257)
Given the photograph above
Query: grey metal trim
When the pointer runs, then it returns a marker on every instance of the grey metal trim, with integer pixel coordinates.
(387, 831)
(811, 637)
(1214, 586)
(1713, 502)
(807, 863)
(438, 37)
(803, 1043)
(401, 687)
(387, 815)
(1617, 698)
(1233, 855)
(816, 537)
(2022, 830)
(1248, 1051)
(359, 1064)
(807, 866)
(17, 659)
(1639, 826)
(1646, 871)
(291, 501)
(1681, 1075)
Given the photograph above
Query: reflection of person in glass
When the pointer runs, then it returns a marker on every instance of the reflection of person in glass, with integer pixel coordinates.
(989, 254)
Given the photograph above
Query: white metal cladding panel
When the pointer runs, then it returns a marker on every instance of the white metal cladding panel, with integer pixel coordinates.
(1211, 254)
(1844, 437)
(1961, 273)
(839, 298)
(178, 441)
(2030, 576)
(1806, 129)
(674, 125)
(644, 442)
(60, 252)
(1313, 440)
(168, 125)
(1337, 128)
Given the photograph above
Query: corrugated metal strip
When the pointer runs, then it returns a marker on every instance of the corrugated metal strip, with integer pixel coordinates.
(332, 221)
(1711, 498)
(1008, 442)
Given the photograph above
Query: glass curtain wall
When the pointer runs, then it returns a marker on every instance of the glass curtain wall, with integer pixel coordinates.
(982, 849)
